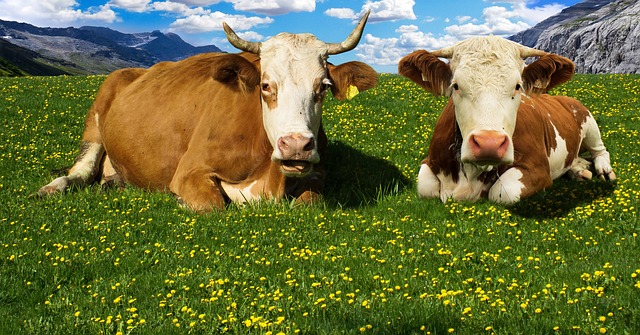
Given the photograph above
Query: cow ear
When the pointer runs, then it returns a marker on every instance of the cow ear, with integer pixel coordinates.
(547, 72)
(426, 70)
(357, 74)
(236, 71)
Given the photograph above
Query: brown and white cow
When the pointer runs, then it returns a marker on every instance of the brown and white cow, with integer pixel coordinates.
(220, 127)
(501, 136)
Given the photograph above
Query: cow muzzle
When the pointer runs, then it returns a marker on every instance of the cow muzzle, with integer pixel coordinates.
(489, 147)
(297, 153)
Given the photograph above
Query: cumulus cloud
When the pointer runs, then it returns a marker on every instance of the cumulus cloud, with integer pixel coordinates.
(53, 12)
(274, 7)
(388, 51)
(503, 21)
(251, 36)
(213, 21)
(390, 10)
(382, 10)
(341, 13)
(137, 6)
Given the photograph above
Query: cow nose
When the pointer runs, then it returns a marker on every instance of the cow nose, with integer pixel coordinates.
(489, 145)
(296, 147)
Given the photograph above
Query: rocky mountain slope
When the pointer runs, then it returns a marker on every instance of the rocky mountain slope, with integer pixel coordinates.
(93, 50)
(600, 36)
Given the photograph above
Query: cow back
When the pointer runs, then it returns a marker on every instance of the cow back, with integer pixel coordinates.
(210, 98)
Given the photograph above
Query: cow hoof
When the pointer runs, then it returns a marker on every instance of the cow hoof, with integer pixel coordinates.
(58, 185)
(611, 176)
(585, 175)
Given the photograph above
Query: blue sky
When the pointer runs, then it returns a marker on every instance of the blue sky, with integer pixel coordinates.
(395, 28)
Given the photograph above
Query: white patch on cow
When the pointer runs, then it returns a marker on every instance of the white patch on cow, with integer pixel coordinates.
(467, 188)
(558, 156)
(508, 188)
(83, 171)
(428, 183)
(240, 194)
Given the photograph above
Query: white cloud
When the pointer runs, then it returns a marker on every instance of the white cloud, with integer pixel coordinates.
(388, 51)
(341, 13)
(53, 12)
(463, 19)
(137, 6)
(503, 21)
(274, 7)
(251, 36)
(213, 21)
(177, 8)
(389, 10)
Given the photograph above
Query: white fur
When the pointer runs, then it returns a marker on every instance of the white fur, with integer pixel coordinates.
(486, 71)
(240, 194)
(428, 183)
(293, 65)
(558, 156)
(508, 188)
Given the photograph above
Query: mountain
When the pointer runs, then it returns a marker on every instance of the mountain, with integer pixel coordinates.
(89, 50)
(17, 61)
(600, 36)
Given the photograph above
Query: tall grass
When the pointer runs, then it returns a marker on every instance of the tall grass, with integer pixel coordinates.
(372, 259)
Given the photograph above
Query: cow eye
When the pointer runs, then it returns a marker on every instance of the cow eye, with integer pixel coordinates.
(518, 87)
(455, 86)
(266, 87)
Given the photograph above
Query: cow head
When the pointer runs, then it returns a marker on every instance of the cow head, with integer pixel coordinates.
(294, 78)
(485, 78)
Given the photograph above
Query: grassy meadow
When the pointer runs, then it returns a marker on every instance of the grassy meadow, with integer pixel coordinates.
(371, 259)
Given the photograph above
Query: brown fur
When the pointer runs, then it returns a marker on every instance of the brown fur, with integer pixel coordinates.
(358, 74)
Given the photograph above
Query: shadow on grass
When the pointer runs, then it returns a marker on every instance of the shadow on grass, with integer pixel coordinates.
(355, 179)
(564, 196)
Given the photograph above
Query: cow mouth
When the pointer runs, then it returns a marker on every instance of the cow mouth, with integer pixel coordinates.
(296, 166)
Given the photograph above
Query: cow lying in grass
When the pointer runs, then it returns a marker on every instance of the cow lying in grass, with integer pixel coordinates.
(220, 127)
(501, 136)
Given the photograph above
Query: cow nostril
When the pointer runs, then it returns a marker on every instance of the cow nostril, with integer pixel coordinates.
(309, 146)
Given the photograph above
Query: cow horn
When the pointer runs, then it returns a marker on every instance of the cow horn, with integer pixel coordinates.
(444, 52)
(352, 40)
(236, 41)
(530, 52)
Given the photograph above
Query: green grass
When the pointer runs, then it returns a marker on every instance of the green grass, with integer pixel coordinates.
(372, 259)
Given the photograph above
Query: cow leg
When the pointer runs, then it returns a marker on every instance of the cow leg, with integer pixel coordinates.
(429, 184)
(516, 183)
(84, 170)
(110, 176)
(580, 169)
(196, 189)
(593, 142)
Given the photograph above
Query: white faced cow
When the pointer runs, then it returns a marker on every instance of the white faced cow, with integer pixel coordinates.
(501, 136)
(220, 127)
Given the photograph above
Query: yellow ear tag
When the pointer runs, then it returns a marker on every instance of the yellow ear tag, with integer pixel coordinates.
(352, 91)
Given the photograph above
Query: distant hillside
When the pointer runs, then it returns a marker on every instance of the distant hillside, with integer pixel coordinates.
(86, 50)
(17, 61)
(600, 36)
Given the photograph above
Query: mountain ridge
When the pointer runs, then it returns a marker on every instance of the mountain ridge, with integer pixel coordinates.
(599, 36)
(91, 49)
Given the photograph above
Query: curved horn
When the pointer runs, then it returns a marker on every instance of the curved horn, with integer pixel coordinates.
(444, 52)
(352, 40)
(531, 52)
(236, 41)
